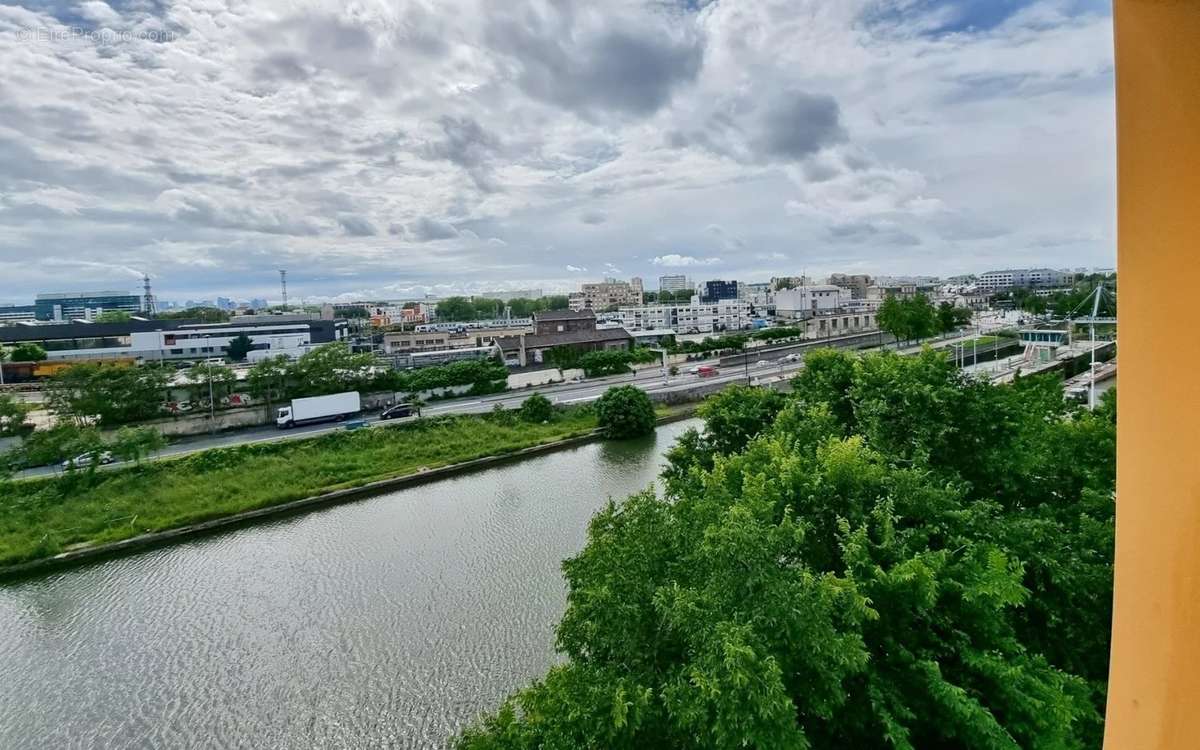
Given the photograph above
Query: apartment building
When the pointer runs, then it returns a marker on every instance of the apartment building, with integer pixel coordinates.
(602, 295)
(857, 283)
(994, 281)
(723, 315)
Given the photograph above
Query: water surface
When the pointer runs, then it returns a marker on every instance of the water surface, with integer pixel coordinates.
(389, 622)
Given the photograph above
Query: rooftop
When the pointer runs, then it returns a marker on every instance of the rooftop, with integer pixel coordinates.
(535, 341)
(83, 295)
(564, 315)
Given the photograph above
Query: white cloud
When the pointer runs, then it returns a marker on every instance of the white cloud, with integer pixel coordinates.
(378, 145)
(674, 260)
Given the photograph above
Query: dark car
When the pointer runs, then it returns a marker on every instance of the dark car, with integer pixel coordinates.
(398, 411)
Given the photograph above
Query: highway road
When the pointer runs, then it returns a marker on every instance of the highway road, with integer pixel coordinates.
(772, 367)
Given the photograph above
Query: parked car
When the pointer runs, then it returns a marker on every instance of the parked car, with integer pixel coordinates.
(398, 411)
(85, 459)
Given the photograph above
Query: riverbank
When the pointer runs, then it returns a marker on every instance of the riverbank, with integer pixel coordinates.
(45, 523)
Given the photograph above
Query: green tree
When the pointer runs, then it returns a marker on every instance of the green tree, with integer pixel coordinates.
(891, 318)
(947, 321)
(205, 379)
(736, 415)
(239, 347)
(115, 394)
(27, 352)
(455, 309)
(624, 412)
(605, 362)
(136, 443)
(563, 357)
(834, 585)
(201, 314)
(268, 379)
(12, 416)
(55, 445)
(113, 316)
(486, 308)
(536, 409)
(331, 368)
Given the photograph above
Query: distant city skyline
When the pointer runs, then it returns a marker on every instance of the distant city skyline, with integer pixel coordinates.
(484, 290)
(386, 150)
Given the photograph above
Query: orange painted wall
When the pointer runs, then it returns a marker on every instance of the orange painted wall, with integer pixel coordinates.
(1154, 683)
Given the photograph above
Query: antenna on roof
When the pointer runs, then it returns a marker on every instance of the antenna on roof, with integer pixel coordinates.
(283, 284)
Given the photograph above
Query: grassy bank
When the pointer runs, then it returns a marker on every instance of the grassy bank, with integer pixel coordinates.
(40, 518)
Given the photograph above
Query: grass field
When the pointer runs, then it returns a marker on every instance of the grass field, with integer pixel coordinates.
(40, 518)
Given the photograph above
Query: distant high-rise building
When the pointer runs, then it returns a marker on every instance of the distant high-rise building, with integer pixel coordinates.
(676, 282)
(84, 305)
(716, 290)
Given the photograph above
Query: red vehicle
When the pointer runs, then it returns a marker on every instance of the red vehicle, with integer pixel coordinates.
(707, 371)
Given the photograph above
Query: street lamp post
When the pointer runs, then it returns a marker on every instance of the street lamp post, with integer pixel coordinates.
(212, 408)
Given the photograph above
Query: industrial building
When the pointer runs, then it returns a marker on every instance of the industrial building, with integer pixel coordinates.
(167, 340)
(561, 328)
(807, 301)
(67, 306)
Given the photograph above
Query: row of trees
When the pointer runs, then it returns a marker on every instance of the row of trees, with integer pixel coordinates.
(600, 362)
(461, 309)
(916, 318)
(116, 394)
(81, 447)
(894, 555)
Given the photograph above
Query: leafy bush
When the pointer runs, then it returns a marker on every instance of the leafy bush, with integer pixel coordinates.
(537, 408)
(624, 412)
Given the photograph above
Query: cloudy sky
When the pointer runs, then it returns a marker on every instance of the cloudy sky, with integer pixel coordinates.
(377, 149)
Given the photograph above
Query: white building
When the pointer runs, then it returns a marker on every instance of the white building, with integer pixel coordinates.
(993, 281)
(673, 283)
(723, 315)
(806, 301)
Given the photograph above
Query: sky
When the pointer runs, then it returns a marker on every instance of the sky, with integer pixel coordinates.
(380, 150)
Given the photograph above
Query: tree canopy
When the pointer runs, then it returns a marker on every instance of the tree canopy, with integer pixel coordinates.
(27, 352)
(908, 319)
(625, 411)
(115, 394)
(895, 555)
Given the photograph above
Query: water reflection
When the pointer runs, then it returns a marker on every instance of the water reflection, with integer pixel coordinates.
(385, 623)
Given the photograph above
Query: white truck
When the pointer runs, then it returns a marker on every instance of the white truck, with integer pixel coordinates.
(334, 407)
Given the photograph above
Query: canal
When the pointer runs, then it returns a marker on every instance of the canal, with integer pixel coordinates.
(389, 622)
